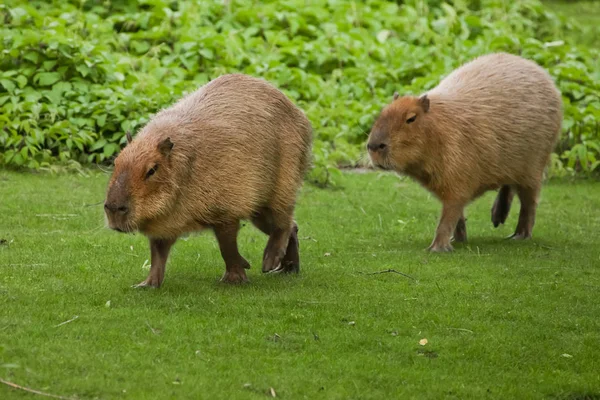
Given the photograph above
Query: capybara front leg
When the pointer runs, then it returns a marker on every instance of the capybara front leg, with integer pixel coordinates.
(451, 213)
(278, 240)
(275, 250)
(502, 204)
(159, 253)
(529, 201)
(291, 260)
(235, 264)
(460, 232)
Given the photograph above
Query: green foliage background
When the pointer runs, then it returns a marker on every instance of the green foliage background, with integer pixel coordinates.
(76, 75)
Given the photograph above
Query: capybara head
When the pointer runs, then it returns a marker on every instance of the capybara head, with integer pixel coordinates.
(397, 138)
(141, 187)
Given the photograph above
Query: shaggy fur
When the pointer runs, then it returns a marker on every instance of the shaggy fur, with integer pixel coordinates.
(235, 149)
(490, 124)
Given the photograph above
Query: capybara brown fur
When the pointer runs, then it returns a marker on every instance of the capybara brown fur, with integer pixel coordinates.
(491, 124)
(235, 149)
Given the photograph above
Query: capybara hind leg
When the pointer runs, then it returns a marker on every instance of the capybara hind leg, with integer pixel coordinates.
(529, 201)
(451, 213)
(460, 232)
(291, 260)
(501, 206)
(235, 264)
(159, 253)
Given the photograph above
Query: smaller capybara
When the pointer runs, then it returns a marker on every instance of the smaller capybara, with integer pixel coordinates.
(491, 124)
(235, 149)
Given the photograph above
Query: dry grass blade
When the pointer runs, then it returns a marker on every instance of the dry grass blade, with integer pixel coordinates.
(390, 271)
(66, 322)
(14, 385)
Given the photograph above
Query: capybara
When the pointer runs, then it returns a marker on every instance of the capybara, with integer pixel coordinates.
(237, 148)
(491, 124)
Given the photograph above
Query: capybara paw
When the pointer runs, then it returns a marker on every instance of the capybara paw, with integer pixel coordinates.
(245, 264)
(496, 219)
(499, 214)
(149, 282)
(520, 236)
(287, 267)
(440, 248)
(235, 276)
(291, 267)
(272, 263)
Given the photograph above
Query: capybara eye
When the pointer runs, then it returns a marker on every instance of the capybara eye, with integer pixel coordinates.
(411, 119)
(151, 171)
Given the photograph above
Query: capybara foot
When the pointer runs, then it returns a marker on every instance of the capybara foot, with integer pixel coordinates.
(235, 276)
(520, 236)
(440, 247)
(272, 263)
(150, 282)
(289, 266)
(245, 264)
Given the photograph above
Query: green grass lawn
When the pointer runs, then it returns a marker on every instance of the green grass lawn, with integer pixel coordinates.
(503, 319)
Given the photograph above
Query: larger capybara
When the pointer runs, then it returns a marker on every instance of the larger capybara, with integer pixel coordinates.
(491, 124)
(235, 149)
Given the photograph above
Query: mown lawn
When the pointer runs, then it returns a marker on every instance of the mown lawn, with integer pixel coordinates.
(503, 319)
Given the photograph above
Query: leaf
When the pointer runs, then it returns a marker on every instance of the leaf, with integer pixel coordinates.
(47, 78)
(21, 81)
(98, 145)
(83, 69)
(207, 53)
(101, 120)
(110, 149)
(8, 85)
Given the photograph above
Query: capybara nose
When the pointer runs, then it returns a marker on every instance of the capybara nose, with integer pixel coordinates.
(374, 147)
(114, 208)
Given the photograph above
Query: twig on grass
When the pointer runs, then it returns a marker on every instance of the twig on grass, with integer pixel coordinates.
(66, 322)
(14, 385)
(391, 271)
(155, 331)
(460, 329)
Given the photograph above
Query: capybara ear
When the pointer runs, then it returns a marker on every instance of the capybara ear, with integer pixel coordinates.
(165, 147)
(396, 95)
(129, 138)
(424, 102)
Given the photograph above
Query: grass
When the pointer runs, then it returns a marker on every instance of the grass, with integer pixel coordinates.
(503, 319)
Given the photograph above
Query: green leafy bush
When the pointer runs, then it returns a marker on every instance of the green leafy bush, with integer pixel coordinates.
(76, 75)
